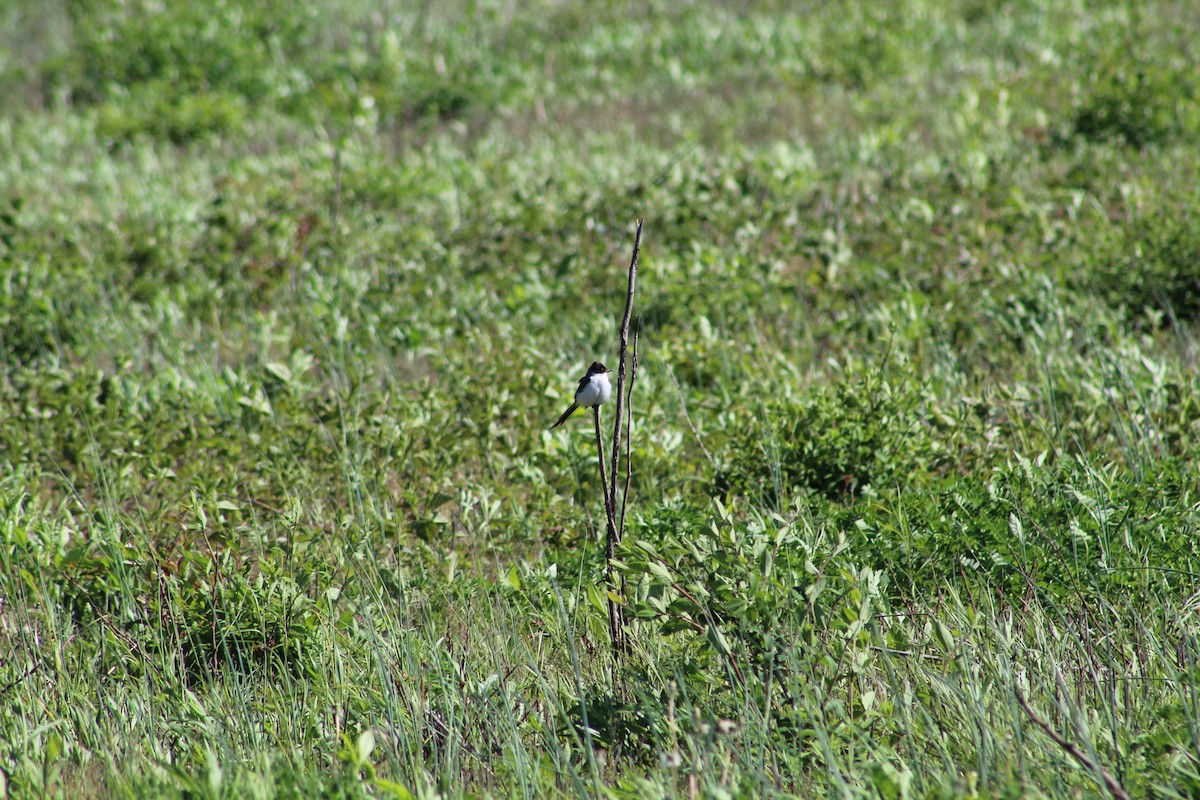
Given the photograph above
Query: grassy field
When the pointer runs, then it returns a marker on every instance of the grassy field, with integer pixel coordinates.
(291, 291)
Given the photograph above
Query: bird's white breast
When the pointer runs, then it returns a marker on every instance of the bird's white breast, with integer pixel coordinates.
(595, 392)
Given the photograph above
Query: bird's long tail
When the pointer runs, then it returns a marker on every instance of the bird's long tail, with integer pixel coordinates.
(565, 415)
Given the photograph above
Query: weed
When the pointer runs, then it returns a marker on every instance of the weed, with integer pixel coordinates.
(288, 295)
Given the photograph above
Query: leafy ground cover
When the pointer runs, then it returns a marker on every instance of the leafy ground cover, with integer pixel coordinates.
(291, 292)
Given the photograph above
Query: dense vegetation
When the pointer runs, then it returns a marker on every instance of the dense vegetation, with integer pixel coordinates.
(291, 291)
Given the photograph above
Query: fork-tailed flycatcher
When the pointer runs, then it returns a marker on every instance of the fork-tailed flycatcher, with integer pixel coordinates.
(594, 389)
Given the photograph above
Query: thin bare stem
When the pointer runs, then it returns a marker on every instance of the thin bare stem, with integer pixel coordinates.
(633, 364)
(1107, 778)
(615, 627)
(608, 511)
(616, 445)
(616, 622)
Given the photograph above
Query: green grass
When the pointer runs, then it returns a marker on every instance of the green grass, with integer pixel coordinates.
(289, 293)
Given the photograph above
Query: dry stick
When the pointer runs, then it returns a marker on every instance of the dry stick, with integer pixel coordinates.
(34, 667)
(616, 446)
(1110, 782)
(615, 621)
(614, 618)
(624, 643)
(614, 611)
(608, 513)
(633, 365)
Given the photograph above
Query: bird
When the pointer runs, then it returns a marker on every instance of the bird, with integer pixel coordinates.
(594, 389)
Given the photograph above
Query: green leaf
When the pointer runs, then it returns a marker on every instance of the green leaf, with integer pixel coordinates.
(394, 789)
(717, 640)
(54, 748)
(1015, 528)
(365, 745)
(512, 578)
(213, 772)
(660, 571)
(945, 637)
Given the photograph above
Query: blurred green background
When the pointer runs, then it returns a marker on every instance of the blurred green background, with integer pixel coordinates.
(291, 292)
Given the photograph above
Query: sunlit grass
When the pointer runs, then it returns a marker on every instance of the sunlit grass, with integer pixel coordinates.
(290, 296)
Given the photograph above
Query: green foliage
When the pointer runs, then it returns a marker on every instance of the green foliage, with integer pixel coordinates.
(240, 621)
(869, 434)
(1151, 265)
(179, 121)
(289, 293)
(1138, 104)
(1071, 532)
(177, 49)
(760, 595)
(33, 318)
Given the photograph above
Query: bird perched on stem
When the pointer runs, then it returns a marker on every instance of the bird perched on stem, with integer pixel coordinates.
(594, 389)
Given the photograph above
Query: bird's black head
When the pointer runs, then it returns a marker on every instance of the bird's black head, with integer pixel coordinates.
(596, 368)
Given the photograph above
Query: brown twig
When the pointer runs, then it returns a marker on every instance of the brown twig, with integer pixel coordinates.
(1110, 781)
(616, 446)
(614, 612)
(608, 514)
(633, 365)
(34, 667)
(615, 619)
